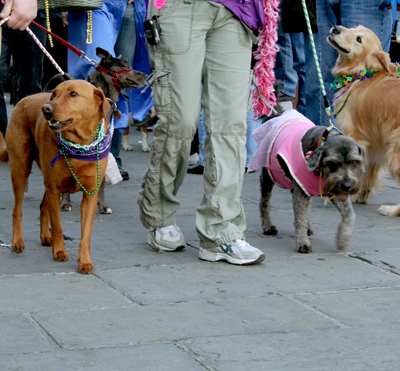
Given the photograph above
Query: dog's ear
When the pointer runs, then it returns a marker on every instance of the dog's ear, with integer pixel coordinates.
(314, 159)
(101, 53)
(378, 60)
(105, 106)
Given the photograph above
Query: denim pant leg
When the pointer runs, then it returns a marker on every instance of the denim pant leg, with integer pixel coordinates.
(28, 61)
(299, 65)
(284, 63)
(126, 41)
(4, 67)
(116, 142)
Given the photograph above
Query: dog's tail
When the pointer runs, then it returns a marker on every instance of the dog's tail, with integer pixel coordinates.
(3, 155)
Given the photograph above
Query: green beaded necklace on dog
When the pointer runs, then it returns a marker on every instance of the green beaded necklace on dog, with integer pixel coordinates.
(100, 131)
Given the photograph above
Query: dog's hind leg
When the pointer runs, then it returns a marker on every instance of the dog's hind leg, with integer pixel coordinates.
(266, 185)
(66, 201)
(45, 235)
(101, 202)
(125, 144)
(145, 136)
(301, 208)
(394, 167)
(345, 228)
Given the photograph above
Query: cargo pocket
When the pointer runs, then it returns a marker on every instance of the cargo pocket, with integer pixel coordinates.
(161, 91)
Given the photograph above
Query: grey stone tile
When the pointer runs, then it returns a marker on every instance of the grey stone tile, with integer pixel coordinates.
(379, 306)
(209, 281)
(166, 357)
(56, 292)
(350, 349)
(20, 335)
(155, 323)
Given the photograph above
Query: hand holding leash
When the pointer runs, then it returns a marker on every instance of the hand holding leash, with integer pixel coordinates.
(20, 13)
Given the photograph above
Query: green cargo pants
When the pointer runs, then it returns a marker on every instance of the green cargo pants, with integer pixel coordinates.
(203, 46)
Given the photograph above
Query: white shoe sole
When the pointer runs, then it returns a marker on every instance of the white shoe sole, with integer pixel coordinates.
(215, 256)
(159, 248)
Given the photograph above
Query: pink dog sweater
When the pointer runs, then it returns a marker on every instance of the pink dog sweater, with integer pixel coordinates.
(279, 140)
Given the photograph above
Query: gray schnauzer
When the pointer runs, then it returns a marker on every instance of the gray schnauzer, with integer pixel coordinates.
(332, 166)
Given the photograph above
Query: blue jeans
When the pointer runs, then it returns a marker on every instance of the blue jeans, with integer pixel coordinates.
(348, 13)
(126, 41)
(284, 63)
(27, 61)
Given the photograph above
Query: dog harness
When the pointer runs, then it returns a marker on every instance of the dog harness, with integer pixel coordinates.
(278, 142)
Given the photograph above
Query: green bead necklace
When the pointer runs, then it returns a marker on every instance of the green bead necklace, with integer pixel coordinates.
(100, 126)
(77, 180)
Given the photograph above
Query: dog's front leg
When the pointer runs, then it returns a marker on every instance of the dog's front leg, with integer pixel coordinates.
(345, 228)
(301, 208)
(51, 200)
(145, 136)
(266, 185)
(88, 209)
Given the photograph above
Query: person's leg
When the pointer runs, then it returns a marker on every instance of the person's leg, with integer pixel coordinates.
(4, 68)
(299, 62)
(126, 41)
(28, 61)
(284, 69)
(226, 89)
(177, 99)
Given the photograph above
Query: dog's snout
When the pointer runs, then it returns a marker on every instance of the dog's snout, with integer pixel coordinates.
(346, 186)
(335, 30)
(48, 110)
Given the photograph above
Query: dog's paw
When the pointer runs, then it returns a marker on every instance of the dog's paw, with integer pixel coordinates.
(127, 147)
(305, 249)
(145, 148)
(87, 268)
(389, 210)
(46, 240)
(18, 246)
(271, 231)
(105, 210)
(66, 207)
(60, 256)
(360, 198)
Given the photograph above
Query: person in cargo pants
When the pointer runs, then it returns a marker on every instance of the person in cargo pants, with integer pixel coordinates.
(203, 44)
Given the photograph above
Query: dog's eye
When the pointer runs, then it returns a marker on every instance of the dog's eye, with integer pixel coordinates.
(73, 94)
(359, 39)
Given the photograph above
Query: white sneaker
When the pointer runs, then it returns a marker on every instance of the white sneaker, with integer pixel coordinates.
(236, 252)
(193, 159)
(166, 239)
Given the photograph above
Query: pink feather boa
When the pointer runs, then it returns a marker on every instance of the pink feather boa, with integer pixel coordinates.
(265, 54)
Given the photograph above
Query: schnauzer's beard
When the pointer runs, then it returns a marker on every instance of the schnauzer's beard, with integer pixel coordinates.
(341, 185)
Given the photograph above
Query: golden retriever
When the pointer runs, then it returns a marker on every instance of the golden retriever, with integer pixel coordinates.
(368, 108)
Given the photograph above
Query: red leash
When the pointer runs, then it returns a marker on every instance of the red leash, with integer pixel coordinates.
(81, 54)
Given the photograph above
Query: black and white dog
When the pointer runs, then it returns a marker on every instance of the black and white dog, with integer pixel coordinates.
(296, 154)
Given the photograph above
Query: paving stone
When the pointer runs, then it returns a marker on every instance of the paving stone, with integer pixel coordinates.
(367, 348)
(155, 323)
(53, 293)
(166, 357)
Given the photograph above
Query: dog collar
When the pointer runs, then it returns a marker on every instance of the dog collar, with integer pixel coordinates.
(344, 80)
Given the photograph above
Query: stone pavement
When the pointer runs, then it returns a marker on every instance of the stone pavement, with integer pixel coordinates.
(140, 310)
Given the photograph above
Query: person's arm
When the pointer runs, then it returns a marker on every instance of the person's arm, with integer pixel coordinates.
(21, 13)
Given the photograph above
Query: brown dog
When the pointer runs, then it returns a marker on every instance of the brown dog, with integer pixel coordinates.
(368, 111)
(75, 109)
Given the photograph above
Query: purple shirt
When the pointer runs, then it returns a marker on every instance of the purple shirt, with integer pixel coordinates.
(250, 12)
